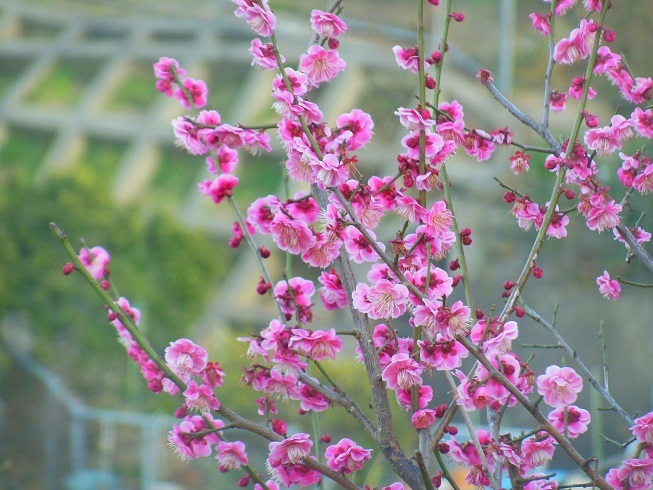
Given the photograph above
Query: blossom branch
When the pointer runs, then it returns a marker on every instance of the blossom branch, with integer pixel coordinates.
(635, 247)
(572, 353)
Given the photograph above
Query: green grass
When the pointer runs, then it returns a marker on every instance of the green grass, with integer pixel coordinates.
(136, 92)
(65, 84)
(103, 157)
(25, 148)
(10, 70)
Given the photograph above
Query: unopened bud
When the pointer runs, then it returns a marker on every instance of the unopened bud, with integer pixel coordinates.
(508, 285)
(429, 82)
(609, 35)
(326, 439)
(105, 285)
(333, 43)
(443, 447)
(457, 16)
(181, 412)
(279, 426)
(519, 311)
(537, 272)
(467, 240)
(264, 251)
(569, 194)
(454, 265)
(456, 280)
(244, 481)
(509, 197)
(68, 269)
(479, 314)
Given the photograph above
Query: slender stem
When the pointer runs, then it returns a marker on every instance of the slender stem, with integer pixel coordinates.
(445, 471)
(557, 188)
(581, 365)
(631, 283)
(549, 68)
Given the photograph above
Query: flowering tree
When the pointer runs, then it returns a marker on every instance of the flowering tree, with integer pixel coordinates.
(404, 277)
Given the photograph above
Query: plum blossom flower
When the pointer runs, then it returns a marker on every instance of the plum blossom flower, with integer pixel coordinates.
(318, 345)
(424, 418)
(541, 23)
(96, 260)
(438, 219)
(578, 45)
(188, 446)
(415, 119)
(360, 125)
(536, 451)
(332, 292)
(609, 288)
(347, 456)
(290, 234)
(200, 397)
(231, 455)
(321, 65)
(327, 24)
(635, 474)
(219, 188)
(602, 214)
(407, 58)
(642, 429)
(197, 90)
(186, 358)
(384, 299)
(559, 386)
(577, 420)
(263, 55)
(258, 15)
(402, 373)
(289, 451)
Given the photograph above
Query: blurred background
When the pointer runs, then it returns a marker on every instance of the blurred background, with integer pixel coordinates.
(85, 141)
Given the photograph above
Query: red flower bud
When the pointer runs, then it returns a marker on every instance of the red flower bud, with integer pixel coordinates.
(454, 265)
(429, 82)
(537, 272)
(519, 311)
(508, 285)
(264, 251)
(326, 439)
(485, 76)
(457, 16)
(467, 240)
(443, 447)
(456, 280)
(68, 269)
(479, 314)
(279, 426)
(181, 412)
(609, 35)
(450, 429)
(244, 481)
(105, 285)
(509, 197)
(569, 194)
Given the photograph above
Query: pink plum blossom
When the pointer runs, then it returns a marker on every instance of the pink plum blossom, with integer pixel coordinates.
(197, 90)
(609, 288)
(321, 65)
(318, 345)
(289, 451)
(536, 451)
(231, 455)
(327, 24)
(603, 214)
(220, 188)
(402, 373)
(263, 55)
(634, 474)
(642, 429)
(384, 299)
(559, 386)
(186, 358)
(422, 419)
(188, 447)
(290, 234)
(438, 219)
(577, 420)
(96, 260)
(407, 58)
(200, 397)
(360, 125)
(347, 456)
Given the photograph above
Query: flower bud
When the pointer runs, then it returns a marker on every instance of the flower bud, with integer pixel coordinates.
(457, 16)
(454, 265)
(443, 447)
(467, 240)
(609, 35)
(509, 197)
(105, 285)
(519, 311)
(333, 43)
(479, 314)
(569, 194)
(537, 272)
(450, 429)
(429, 82)
(264, 251)
(456, 280)
(244, 481)
(508, 285)
(279, 426)
(181, 412)
(440, 409)
(68, 269)
(326, 439)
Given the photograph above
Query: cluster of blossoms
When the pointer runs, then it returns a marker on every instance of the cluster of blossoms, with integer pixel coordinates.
(408, 278)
